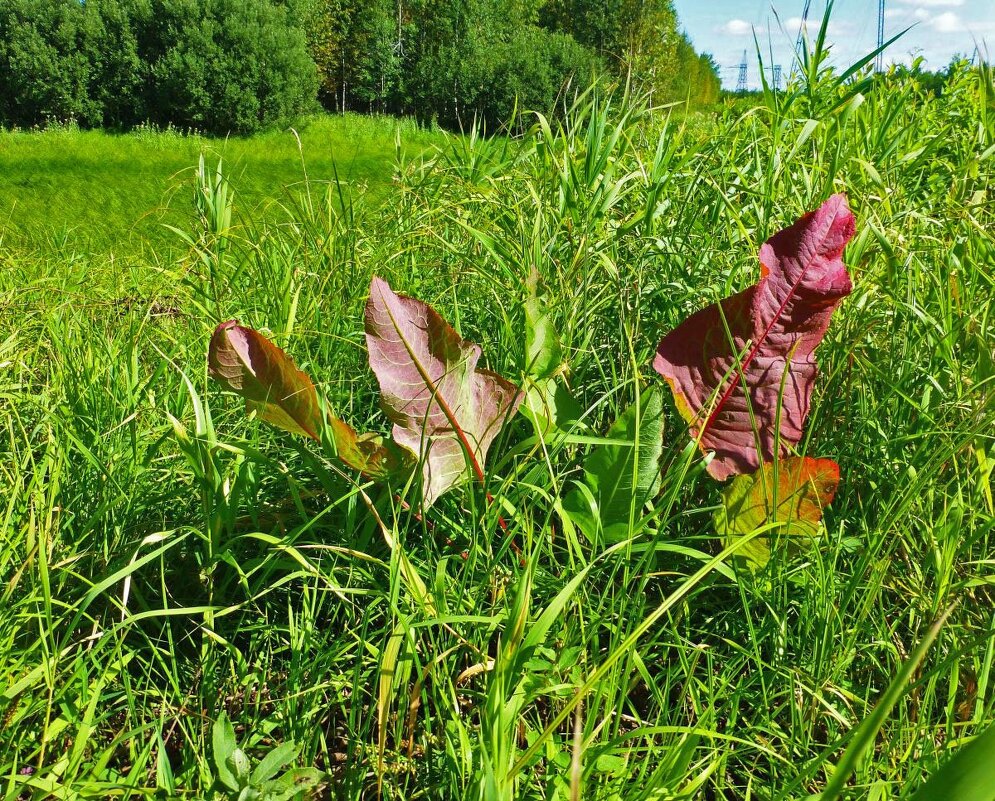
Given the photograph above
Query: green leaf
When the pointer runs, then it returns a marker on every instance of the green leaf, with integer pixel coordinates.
(793, 492)
(292, 783)
(543, 351)
(270, 764)
(967, 776)
(224, 745)
(550, 406)
(622, 478)
(239, 764)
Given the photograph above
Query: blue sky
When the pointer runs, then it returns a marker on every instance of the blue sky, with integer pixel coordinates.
(941, 29)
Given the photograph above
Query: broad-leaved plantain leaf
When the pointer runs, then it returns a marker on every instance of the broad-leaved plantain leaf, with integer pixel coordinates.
(443, 407)
(748, 388)
(792, 493)
(244, 361)
(543, 350)
(622, 478)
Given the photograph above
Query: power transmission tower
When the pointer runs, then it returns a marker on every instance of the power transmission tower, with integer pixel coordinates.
(802, 27)
(741, 82)
(879, 61)
(777, 76)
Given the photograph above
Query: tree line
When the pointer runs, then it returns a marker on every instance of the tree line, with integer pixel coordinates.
(234, 66)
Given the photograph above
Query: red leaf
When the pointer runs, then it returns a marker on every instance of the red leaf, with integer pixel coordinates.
(775, 325)
(442, 406)
(244, 361)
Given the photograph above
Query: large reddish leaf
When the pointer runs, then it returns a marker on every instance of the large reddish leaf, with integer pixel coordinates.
(244, 361)
(742, 396)
(792, 493)
(443, 407)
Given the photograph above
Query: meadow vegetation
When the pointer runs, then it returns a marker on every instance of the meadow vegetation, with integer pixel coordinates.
(184, 593)
(91, 196)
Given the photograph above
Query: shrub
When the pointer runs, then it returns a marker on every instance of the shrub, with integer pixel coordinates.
(536, 66)
(223, 66)
(44, 64)
(228, 66)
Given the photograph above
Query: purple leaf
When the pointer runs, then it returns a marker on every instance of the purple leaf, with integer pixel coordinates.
(443, 407)
(741, 398)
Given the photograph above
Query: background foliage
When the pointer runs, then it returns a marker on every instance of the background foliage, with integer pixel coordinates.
(234, 66)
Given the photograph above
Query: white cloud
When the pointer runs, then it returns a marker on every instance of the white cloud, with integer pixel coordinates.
(947, 22)
(739, 27)
(932, 3)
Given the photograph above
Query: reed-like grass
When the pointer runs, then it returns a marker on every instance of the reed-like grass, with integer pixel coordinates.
(163, 560)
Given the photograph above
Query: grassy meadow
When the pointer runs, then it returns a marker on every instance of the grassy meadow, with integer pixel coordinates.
(93, 193)
(166, 562)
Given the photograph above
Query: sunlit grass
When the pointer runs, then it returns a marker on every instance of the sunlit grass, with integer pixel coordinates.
(98, 193)
(163, 560)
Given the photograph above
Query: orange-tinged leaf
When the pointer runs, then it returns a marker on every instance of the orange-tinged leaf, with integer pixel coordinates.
(244, 361)
(369, 453)
(792, 493)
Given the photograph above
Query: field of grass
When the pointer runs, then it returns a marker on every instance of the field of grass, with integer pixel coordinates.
(166, 563)
(95, 193)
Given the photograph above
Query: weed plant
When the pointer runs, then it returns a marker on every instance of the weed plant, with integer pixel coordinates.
(166, 564)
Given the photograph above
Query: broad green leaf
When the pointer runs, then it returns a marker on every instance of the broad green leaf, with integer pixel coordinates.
(276, 758)
(238, 762)
(969, 775)
(224, 745)
(443, 407)
(742, 370)
(792, 492)
(622, 478)
(550, 406)
(292, 783)
(543, 351)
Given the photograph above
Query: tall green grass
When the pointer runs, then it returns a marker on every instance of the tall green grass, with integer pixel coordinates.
(164, 561)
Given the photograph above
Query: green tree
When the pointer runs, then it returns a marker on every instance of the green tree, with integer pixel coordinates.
(228, 65)
(640, 41)
(45, 68)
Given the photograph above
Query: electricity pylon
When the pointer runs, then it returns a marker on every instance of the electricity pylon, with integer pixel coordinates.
(741, 82)
(879, 61)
